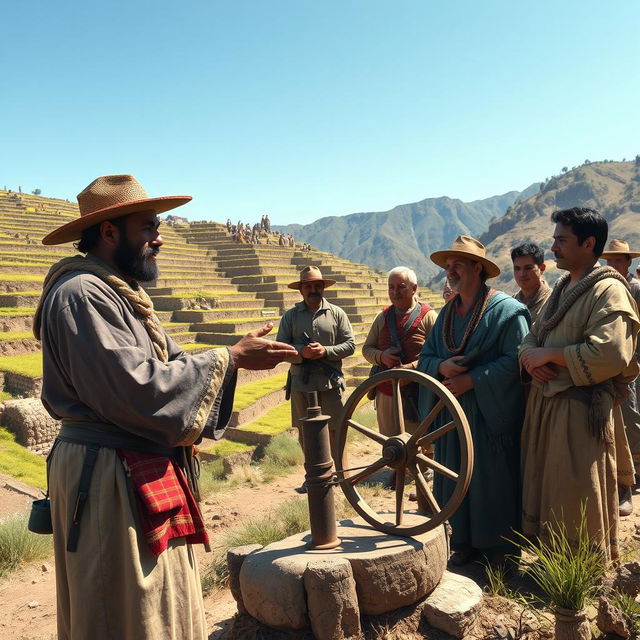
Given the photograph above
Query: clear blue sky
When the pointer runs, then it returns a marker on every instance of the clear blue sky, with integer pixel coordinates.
(307, 108)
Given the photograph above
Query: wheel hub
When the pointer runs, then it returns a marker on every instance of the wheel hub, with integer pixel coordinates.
(394, 451)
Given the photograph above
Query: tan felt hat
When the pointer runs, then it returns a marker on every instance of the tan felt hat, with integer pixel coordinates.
(470, 248)
(107, 198)
(310, 274)
(619, 248)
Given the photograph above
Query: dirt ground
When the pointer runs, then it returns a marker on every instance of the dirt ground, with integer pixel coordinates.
(28, 596)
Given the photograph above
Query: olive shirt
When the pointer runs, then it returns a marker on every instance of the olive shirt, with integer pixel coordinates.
(536, 301)
(328, 326)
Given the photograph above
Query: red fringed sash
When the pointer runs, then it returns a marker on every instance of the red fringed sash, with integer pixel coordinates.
(166, 505)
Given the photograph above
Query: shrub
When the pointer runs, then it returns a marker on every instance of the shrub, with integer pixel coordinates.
(18, 544)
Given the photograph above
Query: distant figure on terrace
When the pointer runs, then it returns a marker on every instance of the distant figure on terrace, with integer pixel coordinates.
(322, 335)
(528, 270)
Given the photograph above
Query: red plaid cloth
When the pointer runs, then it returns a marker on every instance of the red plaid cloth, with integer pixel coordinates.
(166, 505)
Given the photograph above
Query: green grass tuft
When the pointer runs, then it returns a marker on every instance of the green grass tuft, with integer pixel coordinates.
(19, 463)
(19, 545)
(274, 421)
(630, 609)
(281, 454)
(247, 394)
(17, 311)
(224, 448)
(212, 477)
(16, 335)
(28, 364)
(568, 570)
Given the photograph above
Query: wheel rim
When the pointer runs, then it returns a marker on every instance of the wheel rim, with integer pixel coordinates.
(404, 454)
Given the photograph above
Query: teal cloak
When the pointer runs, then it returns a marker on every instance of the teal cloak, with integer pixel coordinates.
(495, 411)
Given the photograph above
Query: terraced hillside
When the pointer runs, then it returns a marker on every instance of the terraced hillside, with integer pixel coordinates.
(211, 291)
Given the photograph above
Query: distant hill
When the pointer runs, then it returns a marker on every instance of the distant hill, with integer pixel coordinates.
(406, 234)
(613, 188)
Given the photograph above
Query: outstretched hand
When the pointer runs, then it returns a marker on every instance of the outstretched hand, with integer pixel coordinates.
(255, 352)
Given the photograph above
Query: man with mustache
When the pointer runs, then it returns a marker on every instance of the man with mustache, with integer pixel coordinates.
(528, 270)
(323, 338)
(132, 403)
(473, 350)
(579, 353)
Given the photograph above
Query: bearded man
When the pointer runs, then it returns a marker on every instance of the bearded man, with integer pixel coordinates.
(579, 352)
(619, 256)
(473, 350)
(528, 270)
(132, 404)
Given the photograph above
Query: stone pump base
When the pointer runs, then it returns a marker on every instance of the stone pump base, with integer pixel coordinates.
(287, 586)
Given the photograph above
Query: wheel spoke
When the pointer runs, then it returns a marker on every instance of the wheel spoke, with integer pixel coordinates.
(423, 487)
(426, 423)
(398, 413)
(369, 471)
(430, 438)
(370, 433)
(436, 466)
(400, 473)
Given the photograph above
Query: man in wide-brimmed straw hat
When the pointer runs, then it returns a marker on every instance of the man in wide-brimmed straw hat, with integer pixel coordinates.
(579, 351)
(132, 404)
(472, 349)
(619, 256)
(323, 337)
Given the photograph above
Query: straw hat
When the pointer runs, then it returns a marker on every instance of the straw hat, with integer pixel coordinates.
(619, 248)
(470, 248)
(107, 198)
(310, 274)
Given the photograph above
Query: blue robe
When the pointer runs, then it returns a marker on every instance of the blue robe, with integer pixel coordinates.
(495, 411)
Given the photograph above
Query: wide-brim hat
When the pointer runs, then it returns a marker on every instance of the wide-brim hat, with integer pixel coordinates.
(619, 248)
(311, 274)
(107, 198)
(470, 248)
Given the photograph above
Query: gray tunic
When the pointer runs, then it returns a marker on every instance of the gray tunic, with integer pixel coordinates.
(100, 366)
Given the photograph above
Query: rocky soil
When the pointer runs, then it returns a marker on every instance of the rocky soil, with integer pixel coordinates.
(28, 596)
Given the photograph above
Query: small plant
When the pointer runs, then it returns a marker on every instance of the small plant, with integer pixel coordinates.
(630, 608)
(18, 544)
(282, 453)
(212, 477)
(568, 572)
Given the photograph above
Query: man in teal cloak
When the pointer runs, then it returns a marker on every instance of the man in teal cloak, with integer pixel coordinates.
(473, 350)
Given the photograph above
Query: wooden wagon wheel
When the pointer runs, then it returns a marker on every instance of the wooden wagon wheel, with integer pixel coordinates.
(404, 454)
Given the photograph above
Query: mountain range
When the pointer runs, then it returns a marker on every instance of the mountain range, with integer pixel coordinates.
(409, 233)
(406, 234)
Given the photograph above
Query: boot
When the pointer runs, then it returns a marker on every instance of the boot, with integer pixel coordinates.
(625, 505)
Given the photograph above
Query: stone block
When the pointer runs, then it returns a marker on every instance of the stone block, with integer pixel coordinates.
(235, 460)
(332, 599)
(235, 558)
(454, 605)
(610, 620)
(29, 420)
